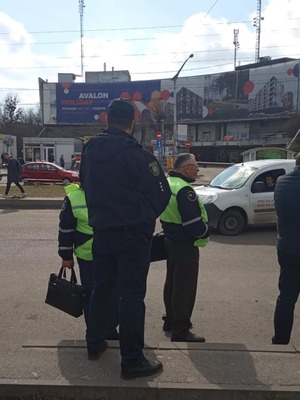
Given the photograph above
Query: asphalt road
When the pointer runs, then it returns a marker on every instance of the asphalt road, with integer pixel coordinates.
(237, 286)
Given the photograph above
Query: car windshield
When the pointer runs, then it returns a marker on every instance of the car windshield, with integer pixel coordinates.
(233, 177)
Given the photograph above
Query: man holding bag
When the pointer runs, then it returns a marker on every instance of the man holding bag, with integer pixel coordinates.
(76, 236)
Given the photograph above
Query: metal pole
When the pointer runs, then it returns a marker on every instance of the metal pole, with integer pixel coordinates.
(174, 79)
(175, 121)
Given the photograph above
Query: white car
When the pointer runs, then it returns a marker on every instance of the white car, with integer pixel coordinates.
(239, 195)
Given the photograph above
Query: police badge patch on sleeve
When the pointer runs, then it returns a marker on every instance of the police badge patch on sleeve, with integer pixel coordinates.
(64, 204)
(154, 168)
(191, 195)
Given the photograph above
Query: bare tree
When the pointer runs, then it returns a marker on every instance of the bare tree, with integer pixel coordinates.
(8, 141)
(10, 112)
(32, 116)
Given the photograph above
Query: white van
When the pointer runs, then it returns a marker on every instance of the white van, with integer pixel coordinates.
(240, 195)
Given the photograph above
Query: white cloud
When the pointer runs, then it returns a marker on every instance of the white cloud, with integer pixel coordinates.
(147, 54)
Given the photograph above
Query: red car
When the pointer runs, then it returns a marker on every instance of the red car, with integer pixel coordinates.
(44, 171)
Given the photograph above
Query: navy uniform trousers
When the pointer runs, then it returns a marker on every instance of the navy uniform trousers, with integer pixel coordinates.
(289, 287)
(86, 278)
(180, 285)
(121, 261)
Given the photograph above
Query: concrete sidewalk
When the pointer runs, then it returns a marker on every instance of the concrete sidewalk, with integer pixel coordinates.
(48, 370)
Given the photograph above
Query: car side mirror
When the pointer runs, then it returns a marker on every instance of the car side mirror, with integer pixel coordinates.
(258, 187)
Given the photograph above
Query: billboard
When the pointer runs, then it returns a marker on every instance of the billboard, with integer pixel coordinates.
(86, 103)
(264, 91)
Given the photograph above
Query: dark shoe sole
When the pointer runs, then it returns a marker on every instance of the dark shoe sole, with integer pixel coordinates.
(200, 339)
(95, 356)
(131, 375)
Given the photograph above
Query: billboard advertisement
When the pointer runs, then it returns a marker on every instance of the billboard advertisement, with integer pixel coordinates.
(271, 90)
(86, 103)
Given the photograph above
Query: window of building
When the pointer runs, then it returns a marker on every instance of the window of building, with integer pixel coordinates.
(206, 136)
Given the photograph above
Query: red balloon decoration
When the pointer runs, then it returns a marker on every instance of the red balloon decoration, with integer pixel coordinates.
(165, 94)
(125, 95)
(137, 96)
(248, 87)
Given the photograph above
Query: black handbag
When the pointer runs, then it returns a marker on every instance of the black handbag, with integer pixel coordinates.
(65, 295)
(158, 249)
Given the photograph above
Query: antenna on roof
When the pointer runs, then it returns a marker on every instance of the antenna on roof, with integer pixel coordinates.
(256, 22)
(81, 10)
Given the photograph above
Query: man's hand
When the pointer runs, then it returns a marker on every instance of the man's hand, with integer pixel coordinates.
(67, 264)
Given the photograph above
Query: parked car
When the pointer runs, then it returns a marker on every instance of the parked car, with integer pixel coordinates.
(43, 171)
(240, 195)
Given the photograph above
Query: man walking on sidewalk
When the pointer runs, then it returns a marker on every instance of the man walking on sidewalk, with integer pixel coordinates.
(14, 174)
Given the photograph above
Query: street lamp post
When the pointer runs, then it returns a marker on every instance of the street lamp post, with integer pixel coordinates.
(175, 130)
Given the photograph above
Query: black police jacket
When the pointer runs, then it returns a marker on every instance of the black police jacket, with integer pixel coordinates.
(287, 201)
(124, 184)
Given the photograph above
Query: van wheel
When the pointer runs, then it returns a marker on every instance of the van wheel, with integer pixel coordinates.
(231, 223)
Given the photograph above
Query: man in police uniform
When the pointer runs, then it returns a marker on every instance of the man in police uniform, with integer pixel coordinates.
(287, 200)
(126, 190)
(184, 222)
(76, 236)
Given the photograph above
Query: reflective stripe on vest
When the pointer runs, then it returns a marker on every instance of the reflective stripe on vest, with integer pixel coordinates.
(77, 199)
(171, 213)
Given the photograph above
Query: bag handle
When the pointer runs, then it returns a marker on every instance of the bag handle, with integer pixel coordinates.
(62, 274)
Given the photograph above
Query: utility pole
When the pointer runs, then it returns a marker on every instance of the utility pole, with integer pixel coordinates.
(175, 133)
(236, 44)
(257, 23)
(81, 10)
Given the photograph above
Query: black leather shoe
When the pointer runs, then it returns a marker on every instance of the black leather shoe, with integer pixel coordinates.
(190, 337)
(167, 326)
(276, 341)
(143, 368)
(95, 355)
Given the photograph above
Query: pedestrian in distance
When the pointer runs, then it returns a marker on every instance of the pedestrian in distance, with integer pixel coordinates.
(14, 174)
(73, 163)
(51, 158)
(126, 191)
(184, 222)
(62, 161)
(287, 200)
(75, 237)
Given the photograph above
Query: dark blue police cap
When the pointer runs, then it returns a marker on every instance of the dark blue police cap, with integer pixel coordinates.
(120, 109)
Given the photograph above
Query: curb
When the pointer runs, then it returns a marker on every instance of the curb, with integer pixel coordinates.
(31, 204)
(139, 390)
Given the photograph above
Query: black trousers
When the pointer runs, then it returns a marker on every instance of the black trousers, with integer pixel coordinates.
(289, 288)
(8, 185)
(86, 278)
(181, 285)
(121, 260)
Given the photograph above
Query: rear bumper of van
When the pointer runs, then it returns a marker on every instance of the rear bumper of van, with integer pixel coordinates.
(214, 214)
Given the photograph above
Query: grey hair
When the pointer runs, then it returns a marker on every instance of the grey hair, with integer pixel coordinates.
(182, 159)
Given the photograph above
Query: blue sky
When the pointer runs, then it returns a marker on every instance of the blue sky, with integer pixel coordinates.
(150, 39)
